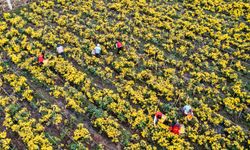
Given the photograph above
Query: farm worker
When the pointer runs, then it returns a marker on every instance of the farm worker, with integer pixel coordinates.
(97, 50)
(41, 58)
(187, 110)
(177, 128)
(118, 46)
(158, 116)
(60, 50)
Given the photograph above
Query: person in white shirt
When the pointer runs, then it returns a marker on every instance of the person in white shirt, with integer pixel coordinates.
(187, 110)
(97, 50)
(60, 50)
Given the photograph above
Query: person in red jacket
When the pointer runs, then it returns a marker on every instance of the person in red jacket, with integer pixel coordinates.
(41, 58)
(158, 115)
(175, 128)
(118, 46)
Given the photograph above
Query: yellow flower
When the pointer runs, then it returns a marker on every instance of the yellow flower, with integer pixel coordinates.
(81, 133)
(3, 135)
(58, 119)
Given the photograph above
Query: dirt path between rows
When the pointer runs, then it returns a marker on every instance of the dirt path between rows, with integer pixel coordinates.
(98, 138)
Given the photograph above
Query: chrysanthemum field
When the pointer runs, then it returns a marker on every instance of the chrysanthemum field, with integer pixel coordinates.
(176, 52)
